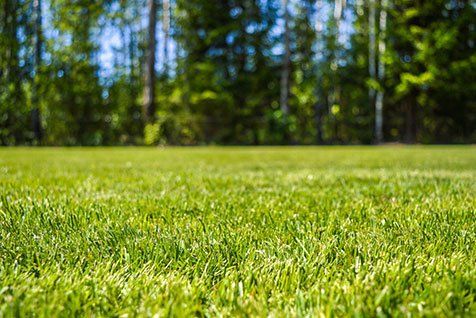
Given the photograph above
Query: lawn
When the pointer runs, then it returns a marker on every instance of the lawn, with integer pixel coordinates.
(369, 231)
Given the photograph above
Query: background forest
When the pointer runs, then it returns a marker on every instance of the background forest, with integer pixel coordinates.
(186, 72)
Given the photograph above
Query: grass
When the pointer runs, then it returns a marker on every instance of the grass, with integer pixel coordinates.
(336, 231)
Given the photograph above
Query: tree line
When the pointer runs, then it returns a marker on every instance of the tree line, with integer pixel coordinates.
(192, 72)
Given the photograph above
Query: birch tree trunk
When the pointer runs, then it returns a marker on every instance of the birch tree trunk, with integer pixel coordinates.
(285, 73)
(339, 8)
(372, 54)
(166, 29)
(381, 72)
(149, 85)
(318, 107)
(35, 114)
(335, 96)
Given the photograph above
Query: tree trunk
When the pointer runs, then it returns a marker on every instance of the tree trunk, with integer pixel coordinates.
(410, 122)
(10, 31)
(35, 114)
(166, 29)
(149, 85)
(339, 8)
(178, 69)
(134, 63)
(372, 69)
(381, 73)
(318, 121)
(336, 94)
(379, 117)
(318, 107)
(285, 73)
(132, 56)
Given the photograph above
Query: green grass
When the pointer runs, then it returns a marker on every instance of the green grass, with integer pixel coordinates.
(343, 231)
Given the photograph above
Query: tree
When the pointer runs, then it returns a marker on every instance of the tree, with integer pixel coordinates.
(372, 56)
(302, 92)
(149, 82)
(381, 72)
(319, 104)
(125, 125)
(16, 61)
(73, 97)
(284, 100)
(335, 97)
(166, 30)
(236, 71)
(36, 118)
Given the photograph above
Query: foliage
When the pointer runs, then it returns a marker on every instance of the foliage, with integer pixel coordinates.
(220, 82)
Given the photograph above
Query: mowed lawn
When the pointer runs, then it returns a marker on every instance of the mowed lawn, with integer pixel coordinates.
(317, 231)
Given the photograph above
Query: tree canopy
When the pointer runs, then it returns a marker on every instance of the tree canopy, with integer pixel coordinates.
(237, 72)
